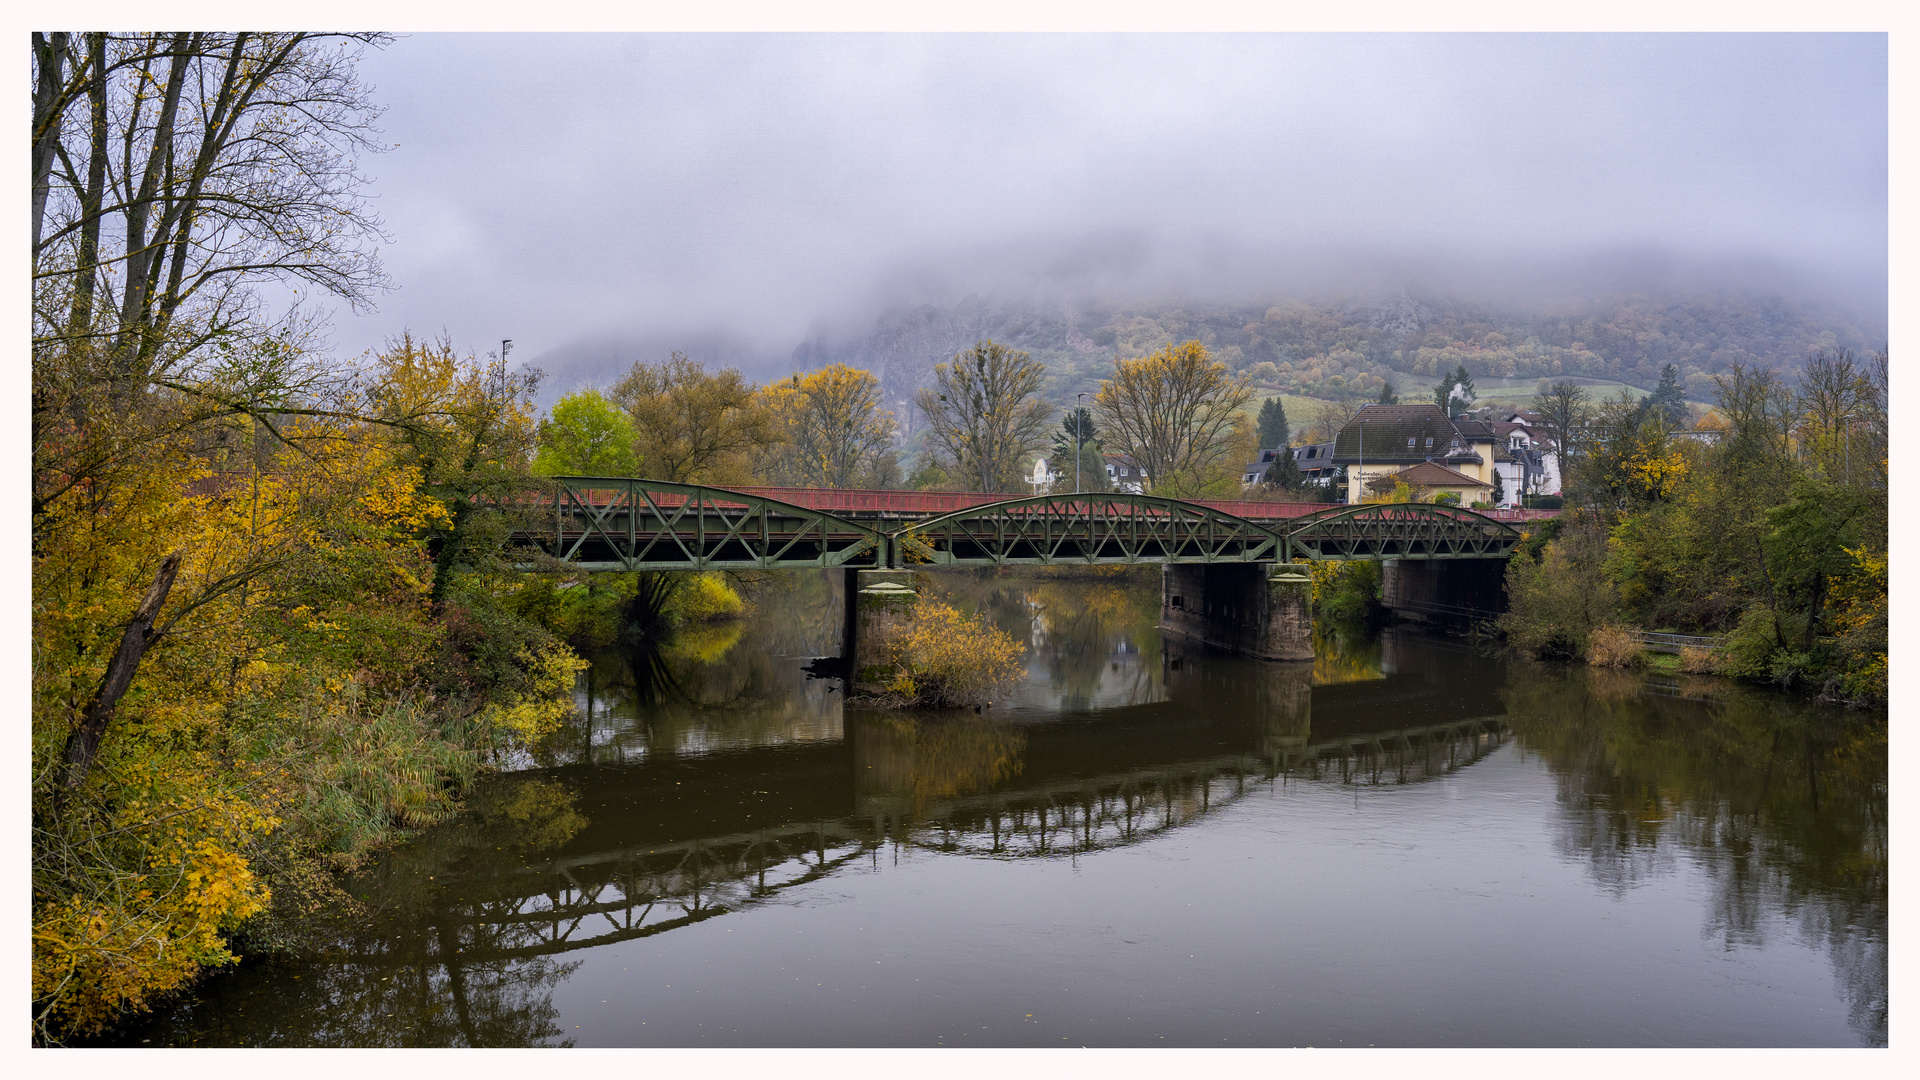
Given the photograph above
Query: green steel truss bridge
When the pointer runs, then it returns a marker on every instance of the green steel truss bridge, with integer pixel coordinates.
(627, 524)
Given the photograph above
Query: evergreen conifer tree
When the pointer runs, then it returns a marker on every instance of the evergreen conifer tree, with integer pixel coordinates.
(1667, 399)
(1463, 392)
(1274, 430)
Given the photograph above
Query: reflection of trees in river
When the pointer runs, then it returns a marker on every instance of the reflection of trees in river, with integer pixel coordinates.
(734, 683)
(1780, 802)
(398, 970)
(916, 759)
(471, 923)
(1092, 633)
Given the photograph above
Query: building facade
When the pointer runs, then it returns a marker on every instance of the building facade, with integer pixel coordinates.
(1125, 475)
(1382, 441)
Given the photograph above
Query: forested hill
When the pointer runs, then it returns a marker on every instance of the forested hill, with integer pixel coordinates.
(1345, 347)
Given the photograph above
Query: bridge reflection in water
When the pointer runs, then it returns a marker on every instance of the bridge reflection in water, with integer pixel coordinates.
(558, 861)
(506, 926)
(961, 785)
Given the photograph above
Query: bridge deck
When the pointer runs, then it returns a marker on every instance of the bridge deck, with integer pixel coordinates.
(627, 523)
(877, 503)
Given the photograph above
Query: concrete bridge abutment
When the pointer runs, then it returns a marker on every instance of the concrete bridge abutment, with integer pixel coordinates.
(1257, 609)
(879, 607)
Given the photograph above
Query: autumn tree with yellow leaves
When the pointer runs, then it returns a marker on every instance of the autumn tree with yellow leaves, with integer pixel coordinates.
(831, 431)
(692, 426)
(1177, 413)
(269, 626)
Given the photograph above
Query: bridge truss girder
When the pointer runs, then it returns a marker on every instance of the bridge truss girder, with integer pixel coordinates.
(1084, 529)
(1377, 531)
(624, 524)
(627, 524)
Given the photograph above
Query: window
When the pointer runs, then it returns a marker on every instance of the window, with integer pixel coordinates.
(1409, 443)
(1429, 442)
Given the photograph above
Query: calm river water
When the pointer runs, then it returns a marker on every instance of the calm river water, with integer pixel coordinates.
(1409, 842)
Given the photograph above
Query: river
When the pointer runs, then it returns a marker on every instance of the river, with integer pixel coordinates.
(1412, 841)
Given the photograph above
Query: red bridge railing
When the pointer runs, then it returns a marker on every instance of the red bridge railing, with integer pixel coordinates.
(936, 503)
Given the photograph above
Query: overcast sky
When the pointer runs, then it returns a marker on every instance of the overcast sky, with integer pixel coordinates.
(553, 188)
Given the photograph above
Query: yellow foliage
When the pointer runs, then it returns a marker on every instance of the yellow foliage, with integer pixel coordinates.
(150, 926)
(303, 574)
(532, 716)
(1657, 471)
(1175, 413)
(830, 428)
(1613, 646)
(1326, 575)
(947, 658)
(705, 597)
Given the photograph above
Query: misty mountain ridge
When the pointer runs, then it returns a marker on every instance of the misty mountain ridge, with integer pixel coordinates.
(1347, 346)
(1340, 345)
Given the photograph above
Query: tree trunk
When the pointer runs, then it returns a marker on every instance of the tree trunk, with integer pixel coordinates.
(1813, 612)
(87, 269)
(48, 104)
(84, 743)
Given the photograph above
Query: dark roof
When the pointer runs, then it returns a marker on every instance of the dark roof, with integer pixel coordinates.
(1386, 429)
(1373, 411)
(1434, 474)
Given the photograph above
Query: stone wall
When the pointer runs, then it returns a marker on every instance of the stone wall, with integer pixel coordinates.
(1235, 606)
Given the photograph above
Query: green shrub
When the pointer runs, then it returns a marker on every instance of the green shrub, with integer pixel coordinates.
(1347, 592)
(1555, 602)
(1751, 647)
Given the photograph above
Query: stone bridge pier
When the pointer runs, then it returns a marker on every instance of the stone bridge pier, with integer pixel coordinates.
(1257, 609)
(879, 606)
(1445, 588)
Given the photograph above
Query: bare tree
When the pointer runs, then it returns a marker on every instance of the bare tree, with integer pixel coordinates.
(1329, 418)
(984, 414)
(1760, 410)
(1172, 412)
(200, 166)
(1835, 396)
(694, 426)
(1564, 411)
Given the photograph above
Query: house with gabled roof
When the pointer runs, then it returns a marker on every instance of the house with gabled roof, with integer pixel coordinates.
(1126, 474)
(1530, 443)
(1438, 479)
(1384, 440)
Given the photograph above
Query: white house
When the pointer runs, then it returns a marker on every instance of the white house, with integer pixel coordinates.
(1124, 475)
